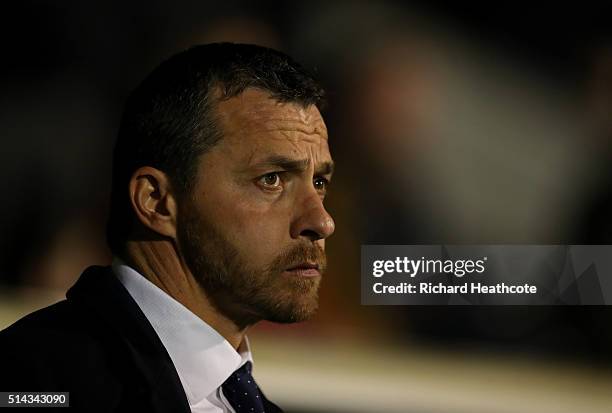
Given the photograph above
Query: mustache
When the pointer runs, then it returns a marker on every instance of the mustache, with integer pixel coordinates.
(300, 254)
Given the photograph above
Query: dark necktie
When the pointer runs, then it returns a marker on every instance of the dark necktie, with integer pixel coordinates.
(242, 392)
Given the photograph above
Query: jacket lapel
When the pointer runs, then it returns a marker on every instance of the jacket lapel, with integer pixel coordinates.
(101, 292)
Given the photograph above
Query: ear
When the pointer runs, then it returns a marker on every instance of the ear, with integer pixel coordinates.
(153, 200)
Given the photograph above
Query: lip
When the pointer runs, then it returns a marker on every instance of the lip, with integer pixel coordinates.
(304, 270)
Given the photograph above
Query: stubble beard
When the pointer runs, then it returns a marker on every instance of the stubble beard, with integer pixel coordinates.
(241, 292)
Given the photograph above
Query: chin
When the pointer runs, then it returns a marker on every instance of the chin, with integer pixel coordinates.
(296, 317)
(294, 313)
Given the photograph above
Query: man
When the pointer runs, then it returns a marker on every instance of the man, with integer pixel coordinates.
(217, 222)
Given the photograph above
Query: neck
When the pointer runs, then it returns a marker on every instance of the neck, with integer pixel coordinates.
(158, 261)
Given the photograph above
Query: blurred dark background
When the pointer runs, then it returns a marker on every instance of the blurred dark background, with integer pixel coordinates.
(449, 122)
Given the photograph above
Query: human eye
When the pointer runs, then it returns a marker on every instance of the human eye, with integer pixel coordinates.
(321, 184)
(270, 181)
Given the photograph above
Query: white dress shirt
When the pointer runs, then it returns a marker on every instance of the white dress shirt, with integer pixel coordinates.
(202, 357)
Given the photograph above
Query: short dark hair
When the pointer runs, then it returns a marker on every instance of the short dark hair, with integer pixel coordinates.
(168, 121)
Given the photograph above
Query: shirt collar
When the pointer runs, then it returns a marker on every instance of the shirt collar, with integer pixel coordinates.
(202, 357)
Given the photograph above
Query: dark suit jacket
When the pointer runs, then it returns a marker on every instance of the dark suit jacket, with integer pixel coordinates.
(98, 345)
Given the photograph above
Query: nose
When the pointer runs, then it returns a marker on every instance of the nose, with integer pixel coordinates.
(312, 220)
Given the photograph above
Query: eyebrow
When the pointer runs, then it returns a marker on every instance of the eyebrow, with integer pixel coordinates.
(290, 164)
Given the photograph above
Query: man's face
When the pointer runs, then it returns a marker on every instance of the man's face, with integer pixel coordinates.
(253, 233)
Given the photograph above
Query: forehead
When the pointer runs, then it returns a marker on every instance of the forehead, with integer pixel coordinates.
(254, 120)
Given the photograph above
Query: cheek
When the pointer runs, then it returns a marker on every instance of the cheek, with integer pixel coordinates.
(259, 230)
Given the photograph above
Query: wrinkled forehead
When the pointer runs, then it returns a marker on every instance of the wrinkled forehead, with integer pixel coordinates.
(255, 112)
(260, 133)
